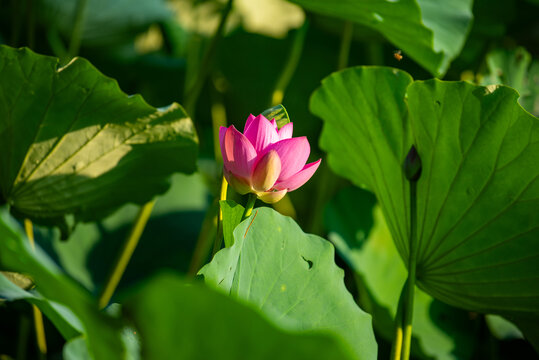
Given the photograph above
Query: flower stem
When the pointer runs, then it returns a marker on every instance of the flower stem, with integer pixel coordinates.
(249, 206)
(127, 251)
(194, 92)
(38, 317)
(219, 233)
(410, 284)
(396, 348)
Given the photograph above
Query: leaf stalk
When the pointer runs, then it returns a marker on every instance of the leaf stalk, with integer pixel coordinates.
(128, 248)
(38, 317)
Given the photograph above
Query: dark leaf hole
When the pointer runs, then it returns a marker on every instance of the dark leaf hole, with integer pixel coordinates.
(309, 262)
(438, 103)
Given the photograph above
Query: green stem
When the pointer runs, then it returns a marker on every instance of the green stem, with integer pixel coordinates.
(38, 317)
(127, 251)
(396, 348)
(249, 206)
(291, 64)
(194, 92)
(219, 233)
(410, 288)
(346, 42)
(77, 29)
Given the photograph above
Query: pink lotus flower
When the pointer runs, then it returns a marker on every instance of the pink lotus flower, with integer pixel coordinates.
(265, 160)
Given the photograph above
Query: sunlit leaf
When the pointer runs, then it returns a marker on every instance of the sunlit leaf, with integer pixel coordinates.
(478, 194)
(75, 144)
(430, 32)
(291, 277)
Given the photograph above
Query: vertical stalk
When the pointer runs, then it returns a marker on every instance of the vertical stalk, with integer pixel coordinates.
(203, 243)
(212, 221)
(396, 348)
(346, 42)
(77, 29)
(127, 251)
(194, 92)
(38, 317)
(219, 233)
(410, 288)
(412, 172)
(249, 206)
(291, 64)
(327, 182)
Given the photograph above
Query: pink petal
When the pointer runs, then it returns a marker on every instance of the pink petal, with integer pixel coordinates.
(274, 123)
(270, 197)
(286, 131)
(239, 154)
(248, 122)
(293, 154)
(300, 178)
(261, 133)
(266, 172)
(239, 184)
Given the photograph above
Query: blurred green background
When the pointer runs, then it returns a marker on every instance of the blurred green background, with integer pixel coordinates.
(156, 47)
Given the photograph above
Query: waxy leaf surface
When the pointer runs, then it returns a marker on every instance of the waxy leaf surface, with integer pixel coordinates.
(73, 143)
(478, 194)
(292, 278)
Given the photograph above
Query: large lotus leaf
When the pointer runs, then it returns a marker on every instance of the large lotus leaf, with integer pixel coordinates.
(430, 32)
(478, 194)
(292, 278)
(177, 320)
(74, 143)
(104, 22)
(102, 332)
(440, 331)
